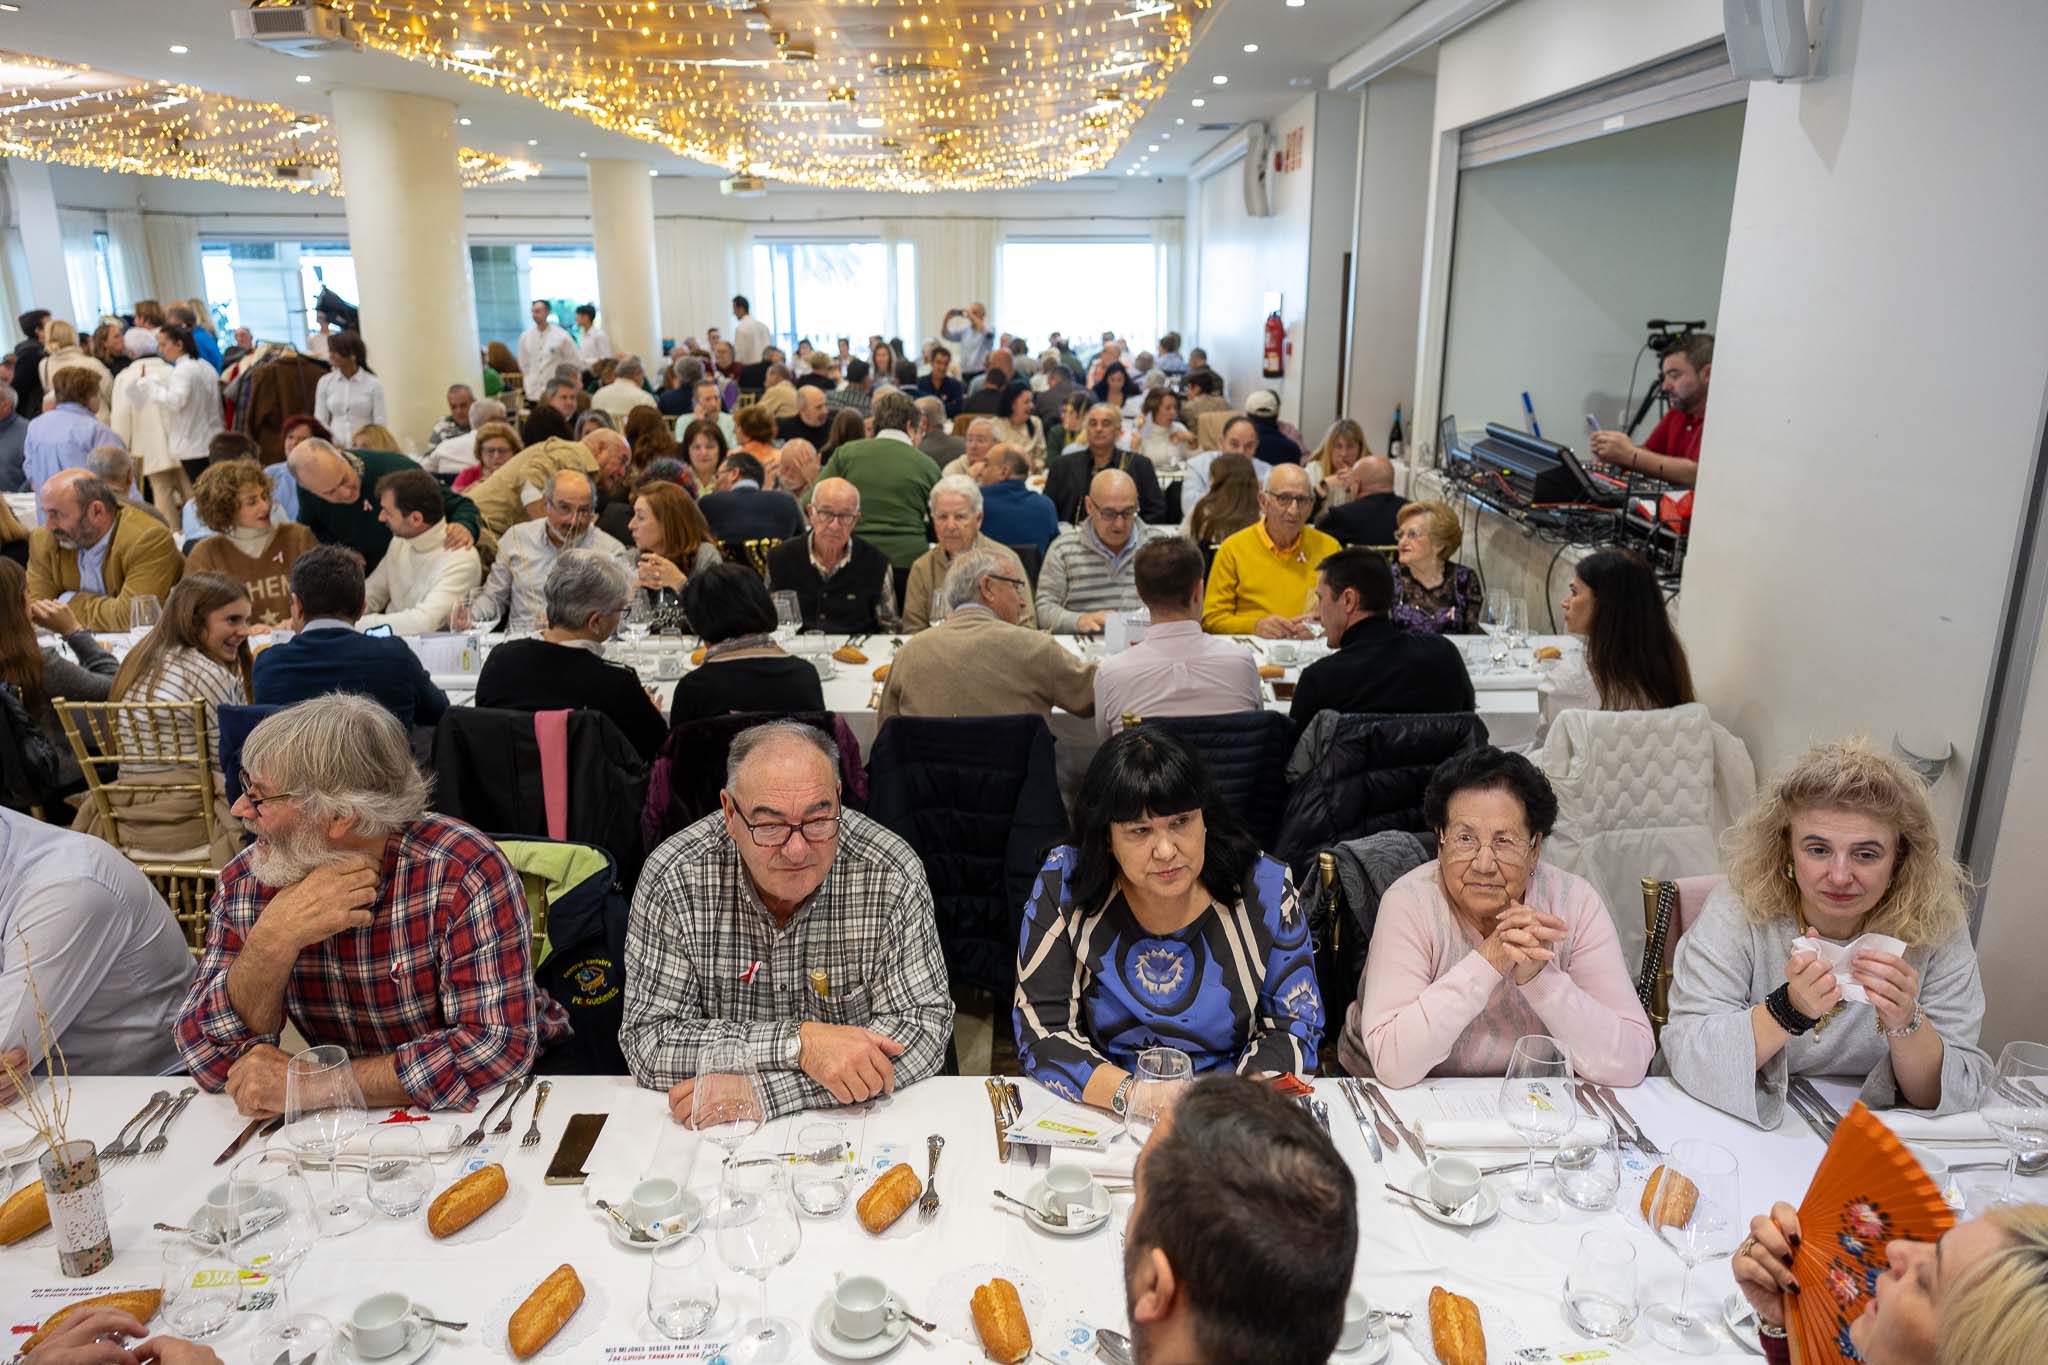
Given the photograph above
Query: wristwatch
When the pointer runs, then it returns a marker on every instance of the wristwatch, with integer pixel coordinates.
(793, 1050)
(1120, 1102)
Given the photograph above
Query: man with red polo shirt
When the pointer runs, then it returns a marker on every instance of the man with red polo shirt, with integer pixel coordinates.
(1673, 451)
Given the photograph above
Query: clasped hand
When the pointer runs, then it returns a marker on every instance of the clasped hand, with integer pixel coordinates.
(1519, 947)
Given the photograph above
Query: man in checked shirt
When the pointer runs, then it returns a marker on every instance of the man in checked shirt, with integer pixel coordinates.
(801, 929)
(367, 920)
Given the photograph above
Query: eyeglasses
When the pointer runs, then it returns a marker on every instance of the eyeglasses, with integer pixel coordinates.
(574, 513)
(823, 514)
(774, 834)
(256, 803)
(1019, 584)
(1291, 499)
(1508, 850)
(1116, 513)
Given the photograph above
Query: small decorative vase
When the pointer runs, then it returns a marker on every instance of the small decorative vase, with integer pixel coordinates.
(78, 1208)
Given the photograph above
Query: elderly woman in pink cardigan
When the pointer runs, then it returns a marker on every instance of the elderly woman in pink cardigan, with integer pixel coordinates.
(1486, 945)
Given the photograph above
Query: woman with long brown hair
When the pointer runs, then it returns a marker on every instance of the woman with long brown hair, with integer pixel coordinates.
(704, 449)
(1230, 505)
(652, 436)
(38, 674)
(847, 425)
(1632, 660)
(674, 543)
(1344, 445)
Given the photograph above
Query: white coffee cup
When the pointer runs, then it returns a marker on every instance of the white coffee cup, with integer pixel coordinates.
(655, 1199)
(1282, 651)
(1452, 1180)
(1357, 1329)
(380, 1325)
(1072, 1188)
(860, 1307)
(218, 1218)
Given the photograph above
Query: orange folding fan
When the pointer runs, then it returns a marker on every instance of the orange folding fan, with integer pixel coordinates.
(1868, 1192)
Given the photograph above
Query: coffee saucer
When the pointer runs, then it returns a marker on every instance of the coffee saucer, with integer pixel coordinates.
(1040, 1196)
(417, 1343)
(827, 1337)
(1485, 1204)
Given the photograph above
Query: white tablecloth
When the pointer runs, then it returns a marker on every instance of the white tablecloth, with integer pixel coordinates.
(1511, 1268)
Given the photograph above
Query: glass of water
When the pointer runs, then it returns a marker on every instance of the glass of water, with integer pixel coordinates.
(1162, 1077)
(1589, 1177)
(399, 1176)
(682, 1288)
(202, 1289)
(1600, 1292)
(822, 1183)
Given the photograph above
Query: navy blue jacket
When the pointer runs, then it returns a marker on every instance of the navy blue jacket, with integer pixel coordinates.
(1011, 514)
(752, 513)
(950, 393)
(317, 662)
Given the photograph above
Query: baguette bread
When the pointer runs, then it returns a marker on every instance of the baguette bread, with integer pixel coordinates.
(889, 1197)
(1271, 671)
(999, 1322)
(1545, 653)
(140, 1304)
(882, 673)
(467, 1200)
(25, 1213)
(847, 654)
(546, 1311)
(1674, 1210)
(1454, 1328)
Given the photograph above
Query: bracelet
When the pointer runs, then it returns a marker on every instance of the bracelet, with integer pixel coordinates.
(1912, 1026)
(1787, 1014)
(1764, 1329)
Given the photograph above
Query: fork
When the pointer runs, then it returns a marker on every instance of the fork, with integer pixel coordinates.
(505, 1124)
(532, 1138)
(928, 1205)
(476, 1137)
(117, 1149)
(156, 1145)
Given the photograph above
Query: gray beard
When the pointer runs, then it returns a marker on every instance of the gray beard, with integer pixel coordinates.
(279, 864)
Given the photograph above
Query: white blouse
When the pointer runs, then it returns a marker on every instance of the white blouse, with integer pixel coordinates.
(190, 396)
(345, 404)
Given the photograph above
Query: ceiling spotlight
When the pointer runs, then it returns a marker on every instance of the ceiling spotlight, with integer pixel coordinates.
(180, 49)
(652, 171)
(1219, 80)
(533, 142)
(584, 155)
(1296, 4)
(1251, 47)
(472, 54)
(868, 121)
(1178, 122)
(303, 79)
(1152, 147)
(1164, 136)
(1198, 102)
(7, 8)
(463, 121)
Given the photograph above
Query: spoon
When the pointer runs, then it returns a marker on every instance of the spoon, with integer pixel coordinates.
(1058, 1220)
(633, 1233)
(1113, 1347)
(896, 1311)
(1421, 1202)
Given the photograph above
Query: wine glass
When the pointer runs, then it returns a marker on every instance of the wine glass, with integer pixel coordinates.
(323, 1109)
(1706, 1174)
(789, 615)
(273, 1209)
(758, 1230)
(1493, 620)
(1515, 623)
(1536, 1101)
(2016, 1106)
(638, 617)
(726, 1104)
(399, 1176)
(144, 611)
(1161, 1078)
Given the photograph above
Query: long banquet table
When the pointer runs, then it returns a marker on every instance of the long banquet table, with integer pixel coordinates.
(1514, 1270)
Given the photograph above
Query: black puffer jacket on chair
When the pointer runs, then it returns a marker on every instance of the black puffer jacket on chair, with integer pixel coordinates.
(1355, 775)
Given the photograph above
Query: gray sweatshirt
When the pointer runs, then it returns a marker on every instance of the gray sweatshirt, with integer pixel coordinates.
(1727, 963)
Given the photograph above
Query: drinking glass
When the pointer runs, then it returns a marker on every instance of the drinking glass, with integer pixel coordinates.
(638, 617)
(726, 1105)
(938, 606)
(1600, 1292)
(1163, 1074)
(1515, 623)
(144, 611)
(399, 1176)
(822, 1183)
(202, 1289)
(758, 1230)
(323, 1109)
(789, 615)
(1712, 1230)
(2015, 1104)
(1589, 1176)
(269, 1201)
(682, 1288)
(1493, 620)
(1536, 1101)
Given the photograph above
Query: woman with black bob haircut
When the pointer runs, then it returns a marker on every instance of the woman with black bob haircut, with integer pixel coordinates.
(743, 669)
(1632, 659)
(1161, 925)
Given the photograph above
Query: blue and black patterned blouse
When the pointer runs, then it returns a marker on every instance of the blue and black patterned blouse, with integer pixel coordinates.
(1234, 989)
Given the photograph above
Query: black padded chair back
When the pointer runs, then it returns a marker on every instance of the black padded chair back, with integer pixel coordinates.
(1247, 751)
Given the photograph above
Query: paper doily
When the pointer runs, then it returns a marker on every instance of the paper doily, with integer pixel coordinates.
(949, 1304)
(582, 1325)
(495, 1221)
(1503, 1338)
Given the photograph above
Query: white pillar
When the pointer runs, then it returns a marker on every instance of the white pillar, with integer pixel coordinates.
(403, 195)
(622, 231)
(42, 241)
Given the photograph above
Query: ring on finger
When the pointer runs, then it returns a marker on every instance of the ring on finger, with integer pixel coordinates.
(1748, 1245)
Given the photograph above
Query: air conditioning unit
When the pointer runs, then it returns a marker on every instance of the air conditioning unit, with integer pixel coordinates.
(1258, 195)
(302, 28)
(743, 187)
(298, 173)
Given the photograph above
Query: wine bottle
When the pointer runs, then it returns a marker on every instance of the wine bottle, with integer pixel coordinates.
(1395, 445)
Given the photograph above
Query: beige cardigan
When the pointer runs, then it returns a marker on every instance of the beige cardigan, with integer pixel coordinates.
(975, 664)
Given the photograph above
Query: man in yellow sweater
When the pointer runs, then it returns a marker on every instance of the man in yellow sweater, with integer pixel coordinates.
(1263, 575)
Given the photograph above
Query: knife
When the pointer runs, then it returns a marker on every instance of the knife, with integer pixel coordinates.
(1606, 1094)
(1813, 1120)
(1414, 1143)
(1372, 1140)
(1590, 1101)
(1815, 1099)
(256, 1128)
(1016, 1095)
(998, 1101)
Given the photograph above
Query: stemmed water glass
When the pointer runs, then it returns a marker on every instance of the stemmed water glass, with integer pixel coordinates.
(637, 618)
(2015, 1104)
(1514, 625)
(726, 1104)
(758, 1230)
(1493, 620)
(1162, 1075)
(323, 1109)
(1706, 1173)
(275, 1225)
(1536, 1101)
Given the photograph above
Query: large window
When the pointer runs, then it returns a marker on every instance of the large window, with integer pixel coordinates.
(1080, 289)
(821, 291)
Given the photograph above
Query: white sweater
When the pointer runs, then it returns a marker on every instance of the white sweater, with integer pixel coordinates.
(419, 582)
(188, 395)
(143, 427)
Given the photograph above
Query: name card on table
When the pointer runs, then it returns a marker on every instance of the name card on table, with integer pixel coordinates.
(661, 1352)
(448, 652)
(1054, 1122)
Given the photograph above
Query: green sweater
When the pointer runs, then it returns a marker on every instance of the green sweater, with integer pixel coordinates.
(355, 524)
(894, 480)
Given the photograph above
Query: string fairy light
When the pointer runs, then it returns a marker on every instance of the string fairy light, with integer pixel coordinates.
(99, 120)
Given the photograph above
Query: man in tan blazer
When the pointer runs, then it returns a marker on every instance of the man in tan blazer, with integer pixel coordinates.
(513, 494)
(979, 661)
(96, 554)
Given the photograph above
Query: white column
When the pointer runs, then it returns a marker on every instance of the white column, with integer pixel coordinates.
(42, 240)
(622, 232)
(405, 229)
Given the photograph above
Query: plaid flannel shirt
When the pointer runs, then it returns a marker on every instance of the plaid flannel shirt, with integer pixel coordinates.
(441, 978)
(709, 962)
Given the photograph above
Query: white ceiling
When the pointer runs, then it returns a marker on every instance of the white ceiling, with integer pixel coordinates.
(1297, 45)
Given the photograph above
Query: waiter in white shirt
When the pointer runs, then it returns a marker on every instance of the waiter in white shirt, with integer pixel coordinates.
(349, 397)
(542, 347)
(750, 338)
(593, 345)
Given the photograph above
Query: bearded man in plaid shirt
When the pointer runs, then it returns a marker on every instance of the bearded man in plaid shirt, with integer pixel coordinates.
(367, 921)
(796, 929)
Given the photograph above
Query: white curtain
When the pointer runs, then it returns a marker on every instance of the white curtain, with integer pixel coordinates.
(1166, 251)
(131, 257)
(701, 263)
(171, 245)
(81, 266)
(956, 266)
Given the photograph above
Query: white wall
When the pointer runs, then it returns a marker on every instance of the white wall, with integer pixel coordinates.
(1386, 298)
(2009, 942)
(1316, 369)
(1560, 256)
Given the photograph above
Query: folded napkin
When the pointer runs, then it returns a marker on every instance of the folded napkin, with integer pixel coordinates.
(1491, 1133)
(639, 1141)
(1839, 956)
(439, 1137)
(1916, 1127)
(1118, 1161)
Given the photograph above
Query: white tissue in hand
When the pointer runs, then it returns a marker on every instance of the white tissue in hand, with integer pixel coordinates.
(1840, 956)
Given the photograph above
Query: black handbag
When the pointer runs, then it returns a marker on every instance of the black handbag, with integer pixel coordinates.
(30, 764)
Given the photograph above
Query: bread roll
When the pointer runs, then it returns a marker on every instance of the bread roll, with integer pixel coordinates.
(140, 1304)
(999, 1322)
(888, 1198)
(546, 1311)
(28, 1211)
(1271, 671)
(1674, 1210)
(697, 654)
(1454, 1328)
(882, 673)
(467, 1200)
(847, 654)
(1545, 653)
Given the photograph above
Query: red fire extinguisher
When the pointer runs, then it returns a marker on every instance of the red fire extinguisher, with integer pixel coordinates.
(1276, 346)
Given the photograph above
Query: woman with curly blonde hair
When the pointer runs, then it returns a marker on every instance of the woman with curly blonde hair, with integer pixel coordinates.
(233, 500)
(1843, 846)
